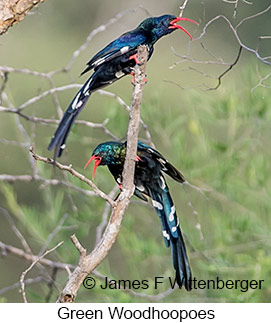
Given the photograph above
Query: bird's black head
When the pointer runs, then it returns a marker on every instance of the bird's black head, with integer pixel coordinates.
(163, 25)
(107, 153)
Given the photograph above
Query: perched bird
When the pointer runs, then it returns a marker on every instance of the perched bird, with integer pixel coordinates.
(112, 63)
(149, 181)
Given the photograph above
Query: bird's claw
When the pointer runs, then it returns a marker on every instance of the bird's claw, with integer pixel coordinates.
(135, 57)
(133, 79)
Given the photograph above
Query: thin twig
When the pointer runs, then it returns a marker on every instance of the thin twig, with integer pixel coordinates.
(78, 246)
(30, 257)
(16, 230)
(67, 267)
(16, 285)
(74, 173)
(53, 233)
(226, 71)
(183, 7)
(24, 273)
(102, 225)
(235, 32)
(265, 60)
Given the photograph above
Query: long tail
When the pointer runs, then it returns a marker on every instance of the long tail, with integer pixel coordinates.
(165, 208)
(77, 104)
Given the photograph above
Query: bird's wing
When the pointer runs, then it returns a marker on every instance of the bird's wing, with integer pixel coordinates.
(166, 166)
(122, 45)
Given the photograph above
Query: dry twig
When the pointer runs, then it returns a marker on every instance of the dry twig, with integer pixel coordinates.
(22, 282)
(74, 173)
(87, 263)
(12, 12)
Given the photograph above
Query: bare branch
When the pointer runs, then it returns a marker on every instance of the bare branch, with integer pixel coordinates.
(235, 32)
(67, 267)
(12, 12)
(87, 263)
(261, 82)
(236, 2)
(102, 225)
(53, 233)
(78, 246)
(16, 285)
(53, 182)
(183, 7)
(74, 173)
(14, 178)
(219, 61)
(30, 257)
(22, 282)
(227, 70)
(16, 230)
(133, 128)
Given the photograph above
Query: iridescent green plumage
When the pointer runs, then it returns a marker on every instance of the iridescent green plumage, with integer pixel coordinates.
(112, 153)
(149, 181)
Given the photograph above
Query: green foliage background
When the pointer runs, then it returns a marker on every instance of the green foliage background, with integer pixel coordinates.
(219, 139)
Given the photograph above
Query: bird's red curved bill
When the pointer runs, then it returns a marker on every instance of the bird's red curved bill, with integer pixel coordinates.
(96, 163)
(174, 25)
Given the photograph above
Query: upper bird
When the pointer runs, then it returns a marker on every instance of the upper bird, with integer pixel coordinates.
(149, 181)
(112, 63)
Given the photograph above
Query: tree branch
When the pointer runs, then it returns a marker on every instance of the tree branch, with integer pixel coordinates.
(226, 71)
(30, 257)
(13, 11)
(87, 263)
(31, 266)
(183, 7)
(74, 173)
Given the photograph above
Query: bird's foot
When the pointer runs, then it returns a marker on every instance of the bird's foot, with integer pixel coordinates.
(133, 79)
(135, 57)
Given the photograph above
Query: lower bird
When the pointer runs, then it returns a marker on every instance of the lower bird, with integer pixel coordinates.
(150, 182)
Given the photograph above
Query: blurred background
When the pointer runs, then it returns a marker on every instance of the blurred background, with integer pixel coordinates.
(219, 139)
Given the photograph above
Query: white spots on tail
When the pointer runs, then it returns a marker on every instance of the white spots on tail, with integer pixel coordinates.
(163, 183)
(161, 161)
(79, 104)
(63, 146)
(86, 87)
(75, 102)
(165, 234)
(171, 214)
(173, 229)
(158, 205)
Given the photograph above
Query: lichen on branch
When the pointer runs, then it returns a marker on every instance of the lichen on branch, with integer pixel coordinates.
(13, 11)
